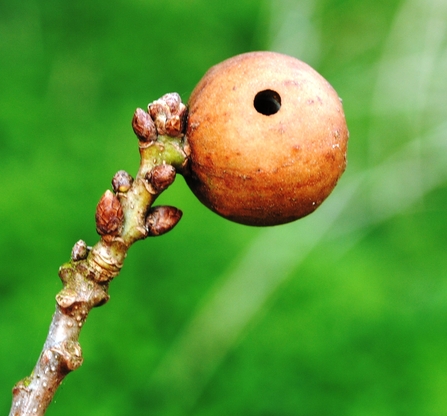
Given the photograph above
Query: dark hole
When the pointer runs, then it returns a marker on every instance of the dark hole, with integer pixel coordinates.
(267, 102)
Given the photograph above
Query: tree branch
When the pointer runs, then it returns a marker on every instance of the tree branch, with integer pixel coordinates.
(122, 218)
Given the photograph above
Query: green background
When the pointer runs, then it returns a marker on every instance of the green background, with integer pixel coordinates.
(341, 313)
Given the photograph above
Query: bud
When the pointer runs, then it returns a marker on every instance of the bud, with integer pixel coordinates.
(143, 126)
(79, 251)
(173, 101)
(161, 176)
(162, 219)
(160, 112)
(122, 181)
(174, 126)
(109, 215)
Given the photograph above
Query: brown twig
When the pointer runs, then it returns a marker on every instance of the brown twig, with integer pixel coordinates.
(122, 218)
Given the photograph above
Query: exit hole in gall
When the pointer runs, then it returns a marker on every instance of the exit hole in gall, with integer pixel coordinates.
(267, 102)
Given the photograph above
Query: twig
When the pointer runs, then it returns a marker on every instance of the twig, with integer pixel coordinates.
(122, 218)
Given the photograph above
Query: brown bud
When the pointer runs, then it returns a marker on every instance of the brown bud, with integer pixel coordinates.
(122, 181)
(161, 176)
(173, 101)
(174, 126)
(162, 219)
(144, 126)
(109, 215)
(159, 112)
(79, 251)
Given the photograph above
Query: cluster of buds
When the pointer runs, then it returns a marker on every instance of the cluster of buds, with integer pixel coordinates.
(165, 116)
(169, 115)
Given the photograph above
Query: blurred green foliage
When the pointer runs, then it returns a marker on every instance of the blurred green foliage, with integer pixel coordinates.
(341, 313)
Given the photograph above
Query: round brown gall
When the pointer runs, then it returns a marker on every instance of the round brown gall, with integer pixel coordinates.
(268, 139)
